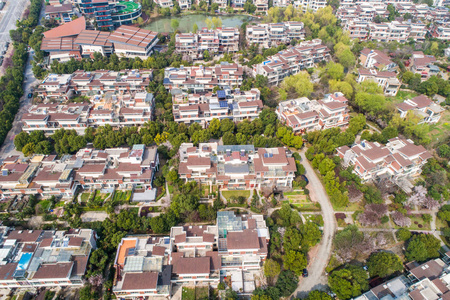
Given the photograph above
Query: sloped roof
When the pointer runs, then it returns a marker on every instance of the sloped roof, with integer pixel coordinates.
(68, 29)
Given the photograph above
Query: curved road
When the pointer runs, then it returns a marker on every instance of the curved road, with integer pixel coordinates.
(317, 280)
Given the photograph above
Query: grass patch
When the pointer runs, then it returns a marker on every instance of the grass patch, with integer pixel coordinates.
(318, 219)
(196, 293)
(45, 204)
(350, 207)
(441, 130)
(85, 197)
(440, 224)
(229, 194)
(85, 208)
(417, 223)
(134, 210)
(170, 189)
(188, 293)
(122, 197)
(305, 207)
(402, 95)
(294, 193)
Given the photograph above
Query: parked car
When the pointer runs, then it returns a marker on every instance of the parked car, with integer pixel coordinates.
(305, 179)
(305, 273)
(30, 95)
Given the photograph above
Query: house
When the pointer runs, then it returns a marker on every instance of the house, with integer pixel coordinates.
(62, 13)
(224, 104)
(388, 81)
(397, 161)
(292, 61)
(45, 258)
(274, 34)
(440, 31)
(371, 59)
(236, 166)
(424, 65)
(304, 115)
(422, 107)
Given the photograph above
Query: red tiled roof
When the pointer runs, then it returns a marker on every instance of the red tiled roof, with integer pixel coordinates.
(68, 29)
(140, 281)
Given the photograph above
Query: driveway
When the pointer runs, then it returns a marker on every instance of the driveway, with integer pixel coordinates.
(317, 280)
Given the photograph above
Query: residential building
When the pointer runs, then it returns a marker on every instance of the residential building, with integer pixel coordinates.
(236, 166)
(262, 6)
(304, 115)
(133, 42)
(424, 65)
(165, 3)
(225, 104)
(313, 5)
(222, 3)
(274, 34)
(388, 81)
(422, 107)
(292, 61)
(376, 59)
(447, 52)
(196, 255)
(398, 161)
(44, 258)
(217, 41)
(92, 41)
(109, 13)
(357, 29)
(62, 13)
(440, 31)
(201, 78)
(185, 4)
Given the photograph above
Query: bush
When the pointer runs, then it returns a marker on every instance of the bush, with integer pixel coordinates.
(403, 234)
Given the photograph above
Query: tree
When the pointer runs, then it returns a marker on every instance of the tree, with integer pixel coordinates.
(174, 23)
(335, 70)
(21, 140)
(348, 282)
(195, 28)
(318, 295)
(286, 283)
(403, 234)
(423, 247)
(299, 85)
(28, 149)
(271, 268)
(295, 261)
(44, 147)
(384, 264)
(400, 219)
(346, 58)
(229, 139)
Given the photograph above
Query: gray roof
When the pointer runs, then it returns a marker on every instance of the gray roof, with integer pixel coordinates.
(241, 168)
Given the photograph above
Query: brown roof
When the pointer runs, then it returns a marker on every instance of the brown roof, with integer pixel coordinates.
(79, 266)
(246, 239)
(46, 242)
(57, 270)
(215, 260)
(7, 271)
(132, 36)
(58, 8)
(416, 295)
(24, 236)
(29, 247)
(59, 44)
(198, 161)
(76, 241)
(422, 101)
(90, 168)
(68, 29)
(192, 265)
(140, 281)
(93, 37)
(440, 285)
(430, 270)
(158, 251)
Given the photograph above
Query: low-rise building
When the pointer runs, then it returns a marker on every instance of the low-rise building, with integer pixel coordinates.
(398, 161)
(44, 258)
(424, 65)
(304, 115)
(274, 34)
(440, 31)
(376, 59)
(62, 13)
(387, 80)
(217, 41)
(201, 78)
(133, 42)
(422, 107)
(236, 166)
(225, 104)
(292, 61)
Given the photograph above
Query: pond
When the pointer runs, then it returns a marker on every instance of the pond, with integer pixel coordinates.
(162, 24)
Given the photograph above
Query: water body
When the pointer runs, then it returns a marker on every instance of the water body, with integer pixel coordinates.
(162, 24)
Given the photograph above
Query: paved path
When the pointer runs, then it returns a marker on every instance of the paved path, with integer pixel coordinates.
(316, 269)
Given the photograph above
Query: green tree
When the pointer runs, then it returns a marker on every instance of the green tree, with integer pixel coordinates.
(195, 28)
(348, 282)
(335, 70)
(299, 85)
(44, 147)
(21, 140)
(174, 23)
(28, 149)
(423, 247)
(295, 261)
(318, 295)
(271, 268)
(384, 264)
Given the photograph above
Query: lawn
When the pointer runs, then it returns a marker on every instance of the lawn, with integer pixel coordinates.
(352, 206)
(45, 204)
(122, 197)
(229, 194)
(134, 210)
(402, 95)
(85, 197)
(195, 293)
(318, 219)
(311, 206)
(170, 189)
(417, 223)
(441, 224)
(188, 293)
(441, 130)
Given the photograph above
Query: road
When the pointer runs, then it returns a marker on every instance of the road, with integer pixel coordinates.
(10, 14)
(7, 148)
(317, 280)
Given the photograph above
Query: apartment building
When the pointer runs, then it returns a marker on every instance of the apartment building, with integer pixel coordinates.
(201, 78)
(424, 65)
(262, 6)
(184, 4)
(225, 104)
(44, 258)
(304, 115)
(222, 3)
(306, 5)
(385, 32)
(422, 107)
(398, 161)
(217, 41)
(388, 81)
(440, 31)
(148, 266)
(133, 42)
(236, 166)
(274, 34)
(357, 29)
(292, 61)
(376, 59)
(165, 3)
